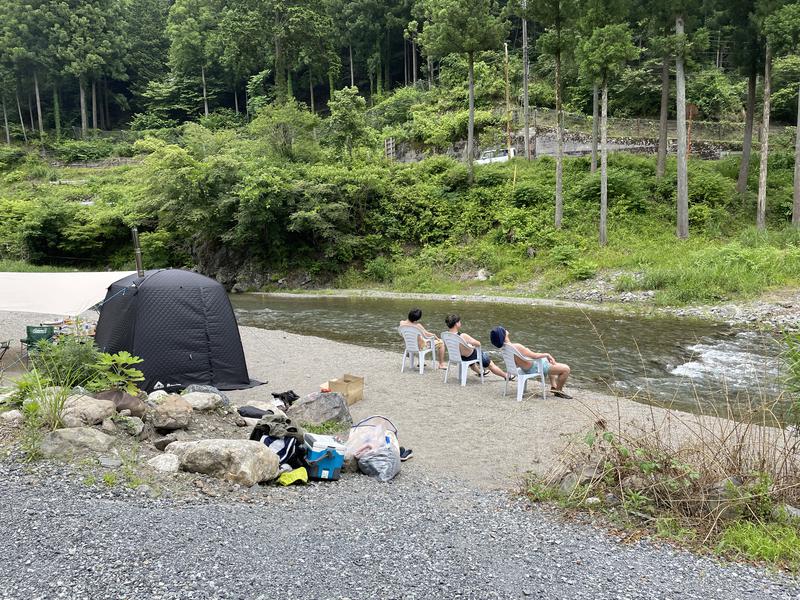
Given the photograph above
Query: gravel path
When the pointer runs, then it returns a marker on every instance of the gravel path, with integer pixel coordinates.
(415, 538)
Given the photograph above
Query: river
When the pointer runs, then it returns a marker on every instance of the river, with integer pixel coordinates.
(686, 364)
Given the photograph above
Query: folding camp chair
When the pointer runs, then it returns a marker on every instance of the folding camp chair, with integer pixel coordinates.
(4, 347)
(36, 333)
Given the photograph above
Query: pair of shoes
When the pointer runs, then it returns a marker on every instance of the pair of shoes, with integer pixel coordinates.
(560, 394)
(512, 378)
(406, 453)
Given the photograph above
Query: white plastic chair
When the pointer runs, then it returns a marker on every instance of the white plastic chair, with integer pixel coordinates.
(453, 344)
(509, 354)
(411, 337)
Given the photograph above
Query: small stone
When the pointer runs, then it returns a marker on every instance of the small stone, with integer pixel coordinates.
(108, 425)
(165, 463)
(592, 500)
(12, 418)
(125, 413)
(110, 462)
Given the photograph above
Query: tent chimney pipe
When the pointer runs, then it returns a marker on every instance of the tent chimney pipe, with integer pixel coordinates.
(137, 252)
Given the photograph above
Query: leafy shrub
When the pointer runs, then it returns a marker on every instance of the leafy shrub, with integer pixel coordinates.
(10, 156)
(114, 371)
(710, 188)
(85, 150)
(532, 193)
(624, 189)
(145, 121)
(222, 118)
(69, 362)
(379, 269)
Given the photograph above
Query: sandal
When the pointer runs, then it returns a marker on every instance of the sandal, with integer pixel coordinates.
(560, 394)
(512, 378)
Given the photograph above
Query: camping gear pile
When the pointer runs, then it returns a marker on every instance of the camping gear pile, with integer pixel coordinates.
(372, 444)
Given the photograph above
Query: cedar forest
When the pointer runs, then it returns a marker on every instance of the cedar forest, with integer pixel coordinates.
(248, 138)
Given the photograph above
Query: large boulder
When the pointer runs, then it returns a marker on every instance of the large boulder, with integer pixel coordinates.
(179, 448)
(241, 461)
(210, 389)
(77, 440)
(170, 412)
(124, 401)
(320, 407)
(80, 411)
(203, 400)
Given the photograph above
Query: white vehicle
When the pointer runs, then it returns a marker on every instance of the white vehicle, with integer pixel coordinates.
(495, 156)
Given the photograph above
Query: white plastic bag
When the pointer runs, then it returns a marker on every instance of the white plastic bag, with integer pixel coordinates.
(373, 443)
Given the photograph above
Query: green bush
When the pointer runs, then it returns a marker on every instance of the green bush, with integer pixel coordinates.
(222, 118)
(10, 156)
(532, 193)
(69, 362)
(146, 121)
(379, 269)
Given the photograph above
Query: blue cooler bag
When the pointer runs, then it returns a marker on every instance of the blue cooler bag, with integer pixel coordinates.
(324, 456)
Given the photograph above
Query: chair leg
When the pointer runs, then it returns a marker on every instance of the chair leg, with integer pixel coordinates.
(421, 363)
(505, 387)
(462, 371)
(544, 388)
(446, 372)
(521, 388)
(403, 366)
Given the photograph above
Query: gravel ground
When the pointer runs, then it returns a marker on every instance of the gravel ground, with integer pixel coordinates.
(418, 537)
(442, 529)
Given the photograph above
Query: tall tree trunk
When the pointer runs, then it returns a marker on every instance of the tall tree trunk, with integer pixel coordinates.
(101, 113)
(405, 62)
(289, 85)
(559, 147)
(525, 77)
(595, 115)
(236, 99)
(105, 108)
(38, 104)
(205, 95)
(94, 104)
(604, 166)
(471, 123)
(30, 113)
(352, 70)
(84, 116)
(413, 61)
(5, 123)
(57, 111)
(430, 73)
(330, 85)
(796, 205)
(280, 73)
(683, 180)
(21, 120)
(311, 91)
(761, 214)
(387, 64)
(663, 141)
(747, 142)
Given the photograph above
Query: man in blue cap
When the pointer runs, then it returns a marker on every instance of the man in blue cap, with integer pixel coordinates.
(555, 371)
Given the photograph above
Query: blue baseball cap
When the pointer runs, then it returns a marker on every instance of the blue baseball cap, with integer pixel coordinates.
(498, 336)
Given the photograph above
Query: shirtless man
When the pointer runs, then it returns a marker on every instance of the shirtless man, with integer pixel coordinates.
(414, 315)
(470, 352)
(556, 372)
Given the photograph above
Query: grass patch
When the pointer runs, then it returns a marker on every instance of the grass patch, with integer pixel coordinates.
(326, 428)
(775, 543)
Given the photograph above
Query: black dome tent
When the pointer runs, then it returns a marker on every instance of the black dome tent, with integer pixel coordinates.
(181, 324)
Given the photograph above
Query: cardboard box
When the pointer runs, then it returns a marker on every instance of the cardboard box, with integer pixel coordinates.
(349, 386)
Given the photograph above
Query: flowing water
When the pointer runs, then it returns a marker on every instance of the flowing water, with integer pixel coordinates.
(687, 364)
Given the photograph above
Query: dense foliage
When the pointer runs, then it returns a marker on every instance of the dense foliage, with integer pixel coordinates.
(282, 197)
(155, 63)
